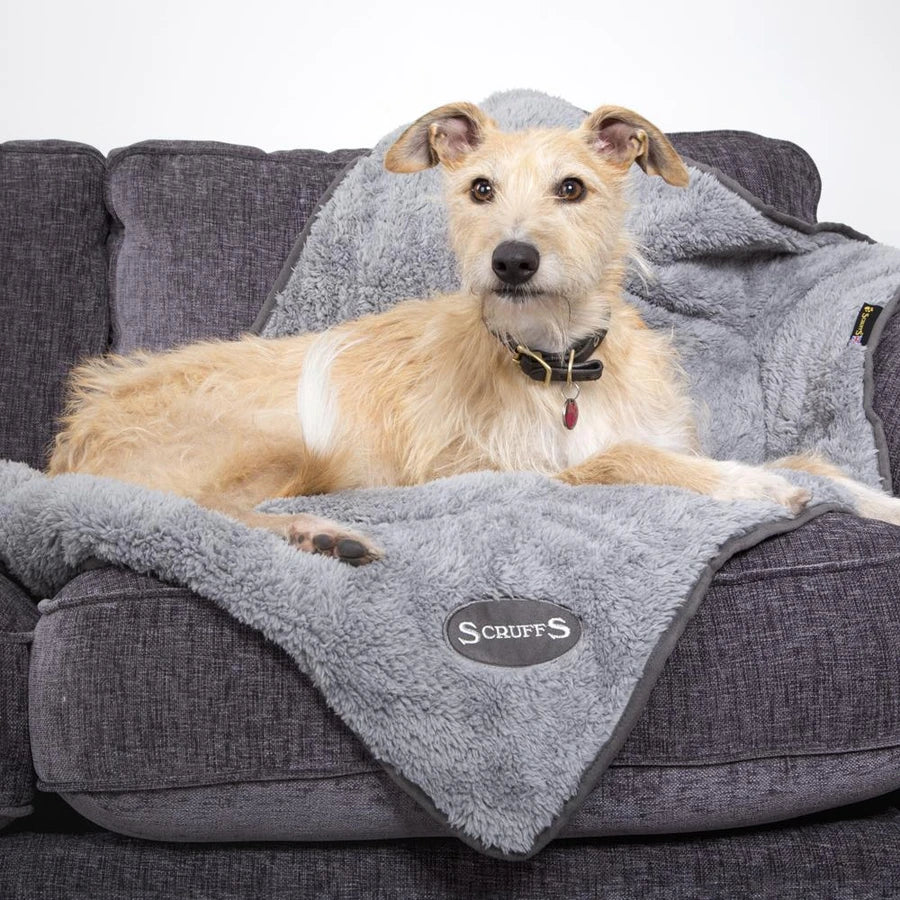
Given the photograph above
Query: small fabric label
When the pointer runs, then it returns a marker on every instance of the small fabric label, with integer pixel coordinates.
(865, 322)
(512, 632)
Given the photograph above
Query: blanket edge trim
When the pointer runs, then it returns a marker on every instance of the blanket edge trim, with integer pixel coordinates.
(639, 696)
(773, 213)
(293, 257)
(881, 443)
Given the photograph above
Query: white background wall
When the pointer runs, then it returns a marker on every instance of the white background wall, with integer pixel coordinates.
(281, 75)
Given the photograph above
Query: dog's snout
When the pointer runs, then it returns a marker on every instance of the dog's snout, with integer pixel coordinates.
(514, 262)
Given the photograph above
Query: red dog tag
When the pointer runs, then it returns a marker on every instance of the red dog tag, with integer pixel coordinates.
(570, 414)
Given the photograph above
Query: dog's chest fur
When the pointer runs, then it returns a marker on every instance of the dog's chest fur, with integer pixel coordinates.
(511, 423)
(530, 434)
(426, 391)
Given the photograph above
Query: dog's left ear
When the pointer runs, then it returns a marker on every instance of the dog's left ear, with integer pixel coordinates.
(444, 135)
(624, 137)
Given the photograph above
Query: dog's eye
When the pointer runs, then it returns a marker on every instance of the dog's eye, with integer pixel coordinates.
(570, 189)
(482, 190)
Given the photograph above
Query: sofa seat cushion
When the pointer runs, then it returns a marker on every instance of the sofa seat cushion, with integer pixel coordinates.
(53, 294)
(854, 854)
(200, 231)
(157, 715)
(17, 617)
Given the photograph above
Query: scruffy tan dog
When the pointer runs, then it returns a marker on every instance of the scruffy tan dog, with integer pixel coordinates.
(503, 375)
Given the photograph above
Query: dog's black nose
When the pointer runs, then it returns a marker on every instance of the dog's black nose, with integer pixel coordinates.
(515, 261)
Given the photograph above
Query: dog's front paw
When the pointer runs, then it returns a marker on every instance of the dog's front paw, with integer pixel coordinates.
(327, 538)
(743, 482)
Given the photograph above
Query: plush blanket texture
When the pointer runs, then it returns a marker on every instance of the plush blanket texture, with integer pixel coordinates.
(763, 310)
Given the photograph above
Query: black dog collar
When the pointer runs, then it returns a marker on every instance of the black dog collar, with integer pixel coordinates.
(574, 364)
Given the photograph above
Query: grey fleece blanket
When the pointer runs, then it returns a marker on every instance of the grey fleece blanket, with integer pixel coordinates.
(501, 733)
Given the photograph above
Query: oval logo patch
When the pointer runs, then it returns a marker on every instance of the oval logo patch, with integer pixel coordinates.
(512, 632)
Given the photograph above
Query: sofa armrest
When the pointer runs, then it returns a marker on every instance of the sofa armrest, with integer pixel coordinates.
(18, 616)
(886, 399)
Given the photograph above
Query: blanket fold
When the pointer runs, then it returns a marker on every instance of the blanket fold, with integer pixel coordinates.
(596, 583)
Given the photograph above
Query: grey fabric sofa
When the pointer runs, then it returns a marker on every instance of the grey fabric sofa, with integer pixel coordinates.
(150, 746)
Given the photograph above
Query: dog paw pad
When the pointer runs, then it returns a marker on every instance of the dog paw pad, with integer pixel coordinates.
(323, 542)
(347, 548)
(353, 551)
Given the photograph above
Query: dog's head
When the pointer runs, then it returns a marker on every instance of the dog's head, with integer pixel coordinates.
(537, 217)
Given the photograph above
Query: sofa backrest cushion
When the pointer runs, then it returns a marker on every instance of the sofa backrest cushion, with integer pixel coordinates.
(778, 172)
(200, 232)
(53, 285)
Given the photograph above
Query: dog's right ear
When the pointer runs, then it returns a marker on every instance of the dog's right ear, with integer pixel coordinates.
(624, 137)
(444, 135)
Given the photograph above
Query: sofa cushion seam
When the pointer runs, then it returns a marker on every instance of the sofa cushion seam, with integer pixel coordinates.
(880, 747)
(234, 777)
(68, 603)
(752, 575)
(809, 569)
(259, 156)
(237, 777)
(16, 637)
(89, 152)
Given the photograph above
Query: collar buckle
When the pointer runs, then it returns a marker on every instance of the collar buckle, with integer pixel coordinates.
(521, 350)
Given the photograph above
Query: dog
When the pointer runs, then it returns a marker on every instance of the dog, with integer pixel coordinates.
(503, 375)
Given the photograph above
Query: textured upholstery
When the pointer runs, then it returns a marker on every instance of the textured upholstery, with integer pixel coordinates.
(778, 700)
(17, 618)
(854, 855)
(200, 231)
(53, 299)
(886, 399)
(778, 172)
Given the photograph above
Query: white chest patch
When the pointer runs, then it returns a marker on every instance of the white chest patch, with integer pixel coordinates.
(317, 401)
(551, 447)
(532, 436)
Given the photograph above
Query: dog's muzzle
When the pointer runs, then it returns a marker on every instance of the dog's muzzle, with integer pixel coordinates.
(515, 262)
